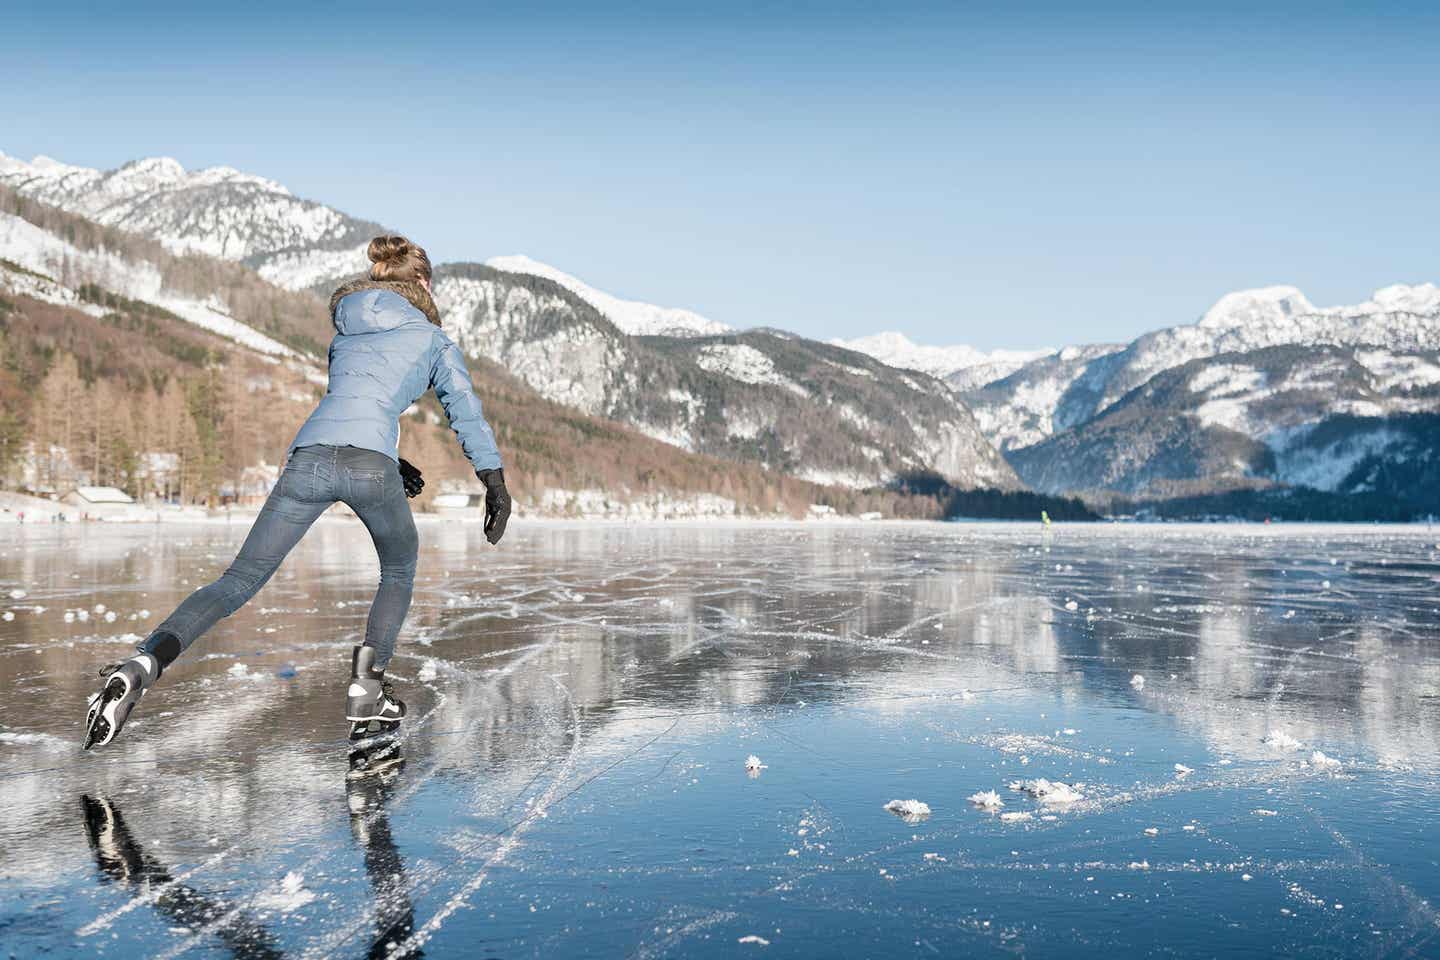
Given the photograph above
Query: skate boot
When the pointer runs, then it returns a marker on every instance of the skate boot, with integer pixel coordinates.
(370, 703)
(125, 683)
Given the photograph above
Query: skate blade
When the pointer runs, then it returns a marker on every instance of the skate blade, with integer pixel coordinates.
(374, 756)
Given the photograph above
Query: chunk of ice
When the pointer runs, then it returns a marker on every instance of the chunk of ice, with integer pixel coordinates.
(1138, 682)
(291, 896)
(986, 800)
(911, 811)
(1319, 761)
(1015, 816)
(1047, 791)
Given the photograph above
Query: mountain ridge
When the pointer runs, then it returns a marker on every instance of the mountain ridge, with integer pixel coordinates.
(700, 385)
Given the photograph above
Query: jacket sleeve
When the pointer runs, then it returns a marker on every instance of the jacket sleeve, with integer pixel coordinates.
(457, 395)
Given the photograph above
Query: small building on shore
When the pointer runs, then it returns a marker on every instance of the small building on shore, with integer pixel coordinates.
(96, 497)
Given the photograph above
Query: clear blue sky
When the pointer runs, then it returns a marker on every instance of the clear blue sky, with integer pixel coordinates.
(961, 172)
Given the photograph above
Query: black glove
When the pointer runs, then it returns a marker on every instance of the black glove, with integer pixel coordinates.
(411, 479)
(497, 503)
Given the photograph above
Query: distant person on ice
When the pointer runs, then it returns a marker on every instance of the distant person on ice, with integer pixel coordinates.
(388, 350)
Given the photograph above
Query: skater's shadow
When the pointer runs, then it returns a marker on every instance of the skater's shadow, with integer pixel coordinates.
(373, 777)
(123, 861)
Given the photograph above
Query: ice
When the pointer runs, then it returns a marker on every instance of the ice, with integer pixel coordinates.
(753, 766)
(1280, 740)
(43, 740)
(911, 811)
(1138, 682)
(986, 800)
(1319, 761)
(753, 938)
(17, 594)
(291, 895)
(1048, 792)
(580, 699)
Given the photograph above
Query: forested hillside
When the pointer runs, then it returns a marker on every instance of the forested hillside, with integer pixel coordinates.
(139, 399)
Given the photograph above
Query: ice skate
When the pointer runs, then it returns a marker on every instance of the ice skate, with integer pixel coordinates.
(109, 708)
(370, 703)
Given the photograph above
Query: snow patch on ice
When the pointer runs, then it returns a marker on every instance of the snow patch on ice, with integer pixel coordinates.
(1047, 791)
(47, 741)
(1280, 740)
(911, 811)
(986, 800)
(291, 896)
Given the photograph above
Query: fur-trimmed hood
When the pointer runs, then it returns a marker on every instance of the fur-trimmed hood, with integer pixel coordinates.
(412, 290)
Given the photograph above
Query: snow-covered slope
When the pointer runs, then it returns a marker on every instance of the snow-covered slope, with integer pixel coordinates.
(631, 316)
(805, 408)
(218, 211)
(1295, 415)
(1398, 318)
(53, 269)
(1078, 384)
(962, 365)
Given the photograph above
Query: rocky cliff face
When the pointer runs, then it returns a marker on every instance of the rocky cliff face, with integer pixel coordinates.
(813, 410)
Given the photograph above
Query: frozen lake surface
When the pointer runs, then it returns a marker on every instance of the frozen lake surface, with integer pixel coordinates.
(1200, 741)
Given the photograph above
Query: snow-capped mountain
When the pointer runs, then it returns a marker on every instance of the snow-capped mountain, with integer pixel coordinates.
(1324, 417)
(962, 365)
(1052, 394)
(631, 316)
(218, 211)
(155, 351)
(812, 410)
(804, 408)
(65, 260)
(1264, 389)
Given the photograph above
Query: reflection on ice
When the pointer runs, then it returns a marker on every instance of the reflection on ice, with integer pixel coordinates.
(1132, 718)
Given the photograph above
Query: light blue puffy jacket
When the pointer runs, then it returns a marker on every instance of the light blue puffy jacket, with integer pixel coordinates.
(385, 355)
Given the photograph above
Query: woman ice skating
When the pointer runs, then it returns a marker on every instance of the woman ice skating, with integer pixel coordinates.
(387, 351)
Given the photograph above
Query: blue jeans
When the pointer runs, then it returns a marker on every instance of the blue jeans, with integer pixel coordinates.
(314, 478)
